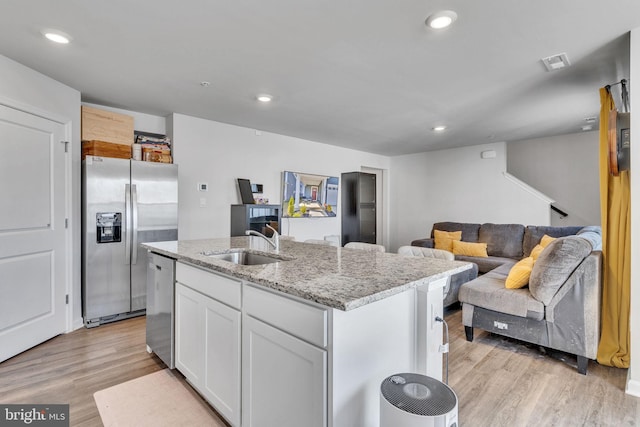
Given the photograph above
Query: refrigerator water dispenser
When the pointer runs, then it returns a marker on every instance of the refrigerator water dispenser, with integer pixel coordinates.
(108, 227)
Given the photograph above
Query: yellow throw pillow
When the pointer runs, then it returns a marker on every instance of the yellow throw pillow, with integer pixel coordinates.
(469, 249)
(546, 240)
(535, 252)
(519, 274)
(444, 239)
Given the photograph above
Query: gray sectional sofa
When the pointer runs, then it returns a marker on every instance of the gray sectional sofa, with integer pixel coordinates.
(559, 309)
(506, 243)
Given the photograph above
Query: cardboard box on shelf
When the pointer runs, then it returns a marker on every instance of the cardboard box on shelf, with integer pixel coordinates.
(105, 149)
(106, 126)
(156, 155)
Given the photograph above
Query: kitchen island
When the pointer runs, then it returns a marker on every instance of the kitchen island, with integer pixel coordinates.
(305, 340)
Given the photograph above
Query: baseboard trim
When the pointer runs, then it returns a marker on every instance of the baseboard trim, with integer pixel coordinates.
(77, 324)
(633, 386)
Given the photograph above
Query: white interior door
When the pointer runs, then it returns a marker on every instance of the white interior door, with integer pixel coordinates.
(32, 231)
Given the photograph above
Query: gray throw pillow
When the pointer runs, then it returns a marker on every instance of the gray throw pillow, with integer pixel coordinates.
(554, 266)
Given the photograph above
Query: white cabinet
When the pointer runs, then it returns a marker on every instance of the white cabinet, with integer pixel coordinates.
(265, 359)
(189, 336)
(222, 359)
(296, 318)
(284, 379)
(208, 337)
(284, 361)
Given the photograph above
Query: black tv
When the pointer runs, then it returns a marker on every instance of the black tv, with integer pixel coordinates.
(245, 191)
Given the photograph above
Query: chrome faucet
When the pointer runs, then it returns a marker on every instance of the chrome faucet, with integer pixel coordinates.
(273, 241)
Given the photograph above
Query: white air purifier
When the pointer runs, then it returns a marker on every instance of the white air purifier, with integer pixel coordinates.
(414, 400)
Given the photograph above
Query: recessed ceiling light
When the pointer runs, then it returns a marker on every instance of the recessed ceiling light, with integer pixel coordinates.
(439, 128)
(56, 36)
(205, 84)
(556, 62)
(264, 97)
(441, 19)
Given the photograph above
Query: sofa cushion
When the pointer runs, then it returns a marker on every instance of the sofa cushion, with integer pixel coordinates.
(505, 268)
(469, 231)
(469, 249)
(423, 243)
(555, 264)
(458, 280)
(485, 265)
(503, 240)
(488, 291)
(533, 234)
(444, 239)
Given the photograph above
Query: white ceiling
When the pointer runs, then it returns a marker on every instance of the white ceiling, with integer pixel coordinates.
(364, 74)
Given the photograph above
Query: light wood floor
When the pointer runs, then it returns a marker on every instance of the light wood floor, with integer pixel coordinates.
(70, 368)
(499, 382)
(503, 382)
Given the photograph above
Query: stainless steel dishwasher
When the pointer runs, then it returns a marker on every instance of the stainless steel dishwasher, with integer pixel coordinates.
(160, 307)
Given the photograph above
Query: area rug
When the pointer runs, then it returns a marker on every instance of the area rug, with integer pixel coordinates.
(158, 399)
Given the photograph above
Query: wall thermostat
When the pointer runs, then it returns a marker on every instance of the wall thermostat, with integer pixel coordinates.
(203, 186)
(489, 154)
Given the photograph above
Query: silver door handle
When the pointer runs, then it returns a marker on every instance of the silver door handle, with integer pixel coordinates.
(134, 245)
(127, 224)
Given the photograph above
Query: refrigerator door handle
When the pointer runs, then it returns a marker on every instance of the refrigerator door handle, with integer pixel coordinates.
(134, 221)
(127, 222)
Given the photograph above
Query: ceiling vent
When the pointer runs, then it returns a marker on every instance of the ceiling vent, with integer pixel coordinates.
(556, 62)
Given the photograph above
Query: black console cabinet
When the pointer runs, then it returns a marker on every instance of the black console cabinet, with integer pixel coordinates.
(254, 217)
(358, 207)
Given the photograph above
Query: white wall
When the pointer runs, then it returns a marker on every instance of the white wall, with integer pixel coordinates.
(218, 154)
(633, 380)
(456, 185)
(24, 88)
(566, 169)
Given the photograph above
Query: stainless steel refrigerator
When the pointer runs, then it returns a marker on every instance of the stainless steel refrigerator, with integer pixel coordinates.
(124, 203)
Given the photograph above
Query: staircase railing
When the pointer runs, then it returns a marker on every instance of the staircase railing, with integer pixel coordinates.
(560, 212)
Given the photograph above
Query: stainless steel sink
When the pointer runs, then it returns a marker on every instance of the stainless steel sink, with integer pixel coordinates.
(244, 258)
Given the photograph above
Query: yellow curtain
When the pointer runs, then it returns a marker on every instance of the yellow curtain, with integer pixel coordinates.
(616, 247)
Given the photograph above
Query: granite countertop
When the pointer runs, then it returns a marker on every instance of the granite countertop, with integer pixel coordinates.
(335, 277)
